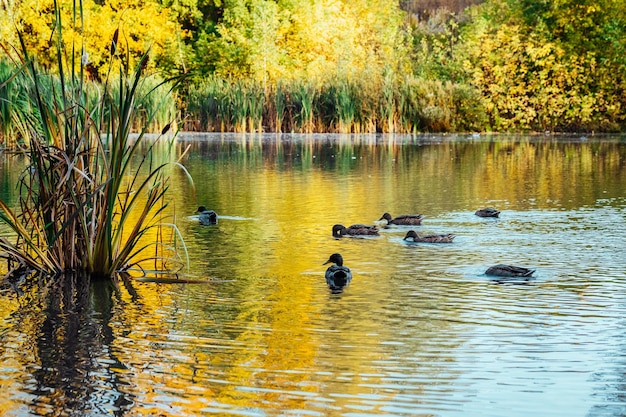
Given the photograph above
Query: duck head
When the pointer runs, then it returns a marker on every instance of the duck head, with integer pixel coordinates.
(338, 230)
(335, 258)
(411, 234)
(386, 216)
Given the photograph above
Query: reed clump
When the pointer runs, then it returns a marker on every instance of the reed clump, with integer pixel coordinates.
(154, 107)
(16, 108)
(339, 105)
(92, 200)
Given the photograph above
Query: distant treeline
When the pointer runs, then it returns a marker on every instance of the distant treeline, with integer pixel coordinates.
(363, 65)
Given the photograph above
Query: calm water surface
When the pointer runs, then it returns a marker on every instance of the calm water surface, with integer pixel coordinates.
(421, 331)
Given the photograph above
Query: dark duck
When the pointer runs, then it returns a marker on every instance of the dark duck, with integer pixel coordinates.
(502, 270)
(206, 217)
(337, 275)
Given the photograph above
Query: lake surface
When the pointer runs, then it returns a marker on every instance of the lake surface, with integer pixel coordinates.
(420, 331)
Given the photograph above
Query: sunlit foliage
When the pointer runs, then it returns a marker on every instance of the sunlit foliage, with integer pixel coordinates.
(267, 40)
(549, 66)
(339, 65)
(195, 19)
(141, 24)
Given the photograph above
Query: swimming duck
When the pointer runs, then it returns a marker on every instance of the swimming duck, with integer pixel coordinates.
(502, 270)
(206, 217)
(340, 230)
(487, 212)
(337, 276)
(411, 234)
(405, 219)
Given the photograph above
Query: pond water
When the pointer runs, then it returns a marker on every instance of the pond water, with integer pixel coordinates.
(420, 331)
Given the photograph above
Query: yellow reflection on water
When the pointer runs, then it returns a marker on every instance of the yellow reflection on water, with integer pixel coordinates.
(266, 333)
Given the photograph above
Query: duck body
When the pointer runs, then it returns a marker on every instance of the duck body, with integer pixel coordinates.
(206, 217)
(404, 219)
(354, 230)
(411, 235)
(487, 212)
(337, 276)
(502, 270)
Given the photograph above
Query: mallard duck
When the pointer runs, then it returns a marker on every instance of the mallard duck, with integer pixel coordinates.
(340, 230)
(337, 276)
(487, 212)
(405, 219)
(411, 234)
(206, 217)
(502, 270)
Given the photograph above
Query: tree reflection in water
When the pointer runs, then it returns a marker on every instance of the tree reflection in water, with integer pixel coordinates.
(75, 371)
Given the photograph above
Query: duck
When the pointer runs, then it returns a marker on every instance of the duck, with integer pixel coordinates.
(405, 219)
(502, 270)
(340, 230)
(487, 212)
(337, 276)
(206, 217)
(445, 238)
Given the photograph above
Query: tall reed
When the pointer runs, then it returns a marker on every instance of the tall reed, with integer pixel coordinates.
(256, 100)
(338, 102)
(302, 98)
(16, 112)
(92, 201)
(155, 107)
(383, 104)
(386, 106)
(280, 106)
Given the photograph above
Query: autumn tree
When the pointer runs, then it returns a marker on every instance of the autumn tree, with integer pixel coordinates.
(141, 25)
(305, 39)
(549, 65)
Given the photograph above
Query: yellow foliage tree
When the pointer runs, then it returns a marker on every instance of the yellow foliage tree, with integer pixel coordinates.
(308, 39)
(141, 24)
(347, 39)
(532, 80)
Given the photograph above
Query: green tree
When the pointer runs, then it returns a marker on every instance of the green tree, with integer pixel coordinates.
(196, 19)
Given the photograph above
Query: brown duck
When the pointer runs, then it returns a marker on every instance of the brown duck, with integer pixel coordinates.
(354, 230)
(487, 212)
(405, 219)
(411, 235)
